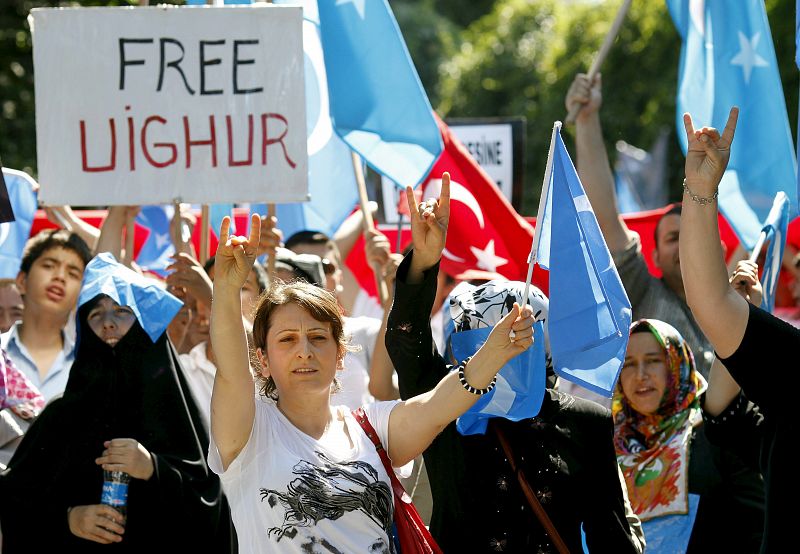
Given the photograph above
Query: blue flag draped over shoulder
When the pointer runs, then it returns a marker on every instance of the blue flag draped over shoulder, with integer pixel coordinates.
(590, 314)
(377, 103)
(14, 234)
(775, 227)
(331, 181)
(728, 60)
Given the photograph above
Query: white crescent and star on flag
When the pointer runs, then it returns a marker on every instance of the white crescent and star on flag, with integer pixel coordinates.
(747, 57)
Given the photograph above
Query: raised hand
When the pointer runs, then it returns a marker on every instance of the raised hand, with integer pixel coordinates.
(708, 154)
(127, 455)
(188, 274)
(429, 221)
(377, 248)
(236, 255)
(96, 522)
(271, 236)
(745, 281)
(585, 93)
(512, 335)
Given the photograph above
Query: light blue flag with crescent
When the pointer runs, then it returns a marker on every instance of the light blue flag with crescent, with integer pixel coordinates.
(728, 60)
(154, 307)
(331, 180)
(590, 314)
(377, 102)
(775, 228)
(14, 234)
(155, 254)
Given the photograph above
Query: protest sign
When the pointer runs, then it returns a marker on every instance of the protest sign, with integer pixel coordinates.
(153, 105)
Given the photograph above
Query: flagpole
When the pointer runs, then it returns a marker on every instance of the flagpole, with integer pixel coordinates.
(548, 172)
(204, 230)
(271, 258)
(602, 53)
(129, 229)
(130, 224)
(369, 224)
(762, 239)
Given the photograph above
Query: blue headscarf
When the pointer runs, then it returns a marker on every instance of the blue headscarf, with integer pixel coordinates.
(153, 306)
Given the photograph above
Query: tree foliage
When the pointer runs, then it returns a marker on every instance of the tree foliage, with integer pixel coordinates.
(520, 58)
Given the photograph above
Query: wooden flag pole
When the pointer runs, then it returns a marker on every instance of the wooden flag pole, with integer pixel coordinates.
(602, 53)
(130, 226)
(270, 213)
(271, 259)
(205, 229)
(369, 224)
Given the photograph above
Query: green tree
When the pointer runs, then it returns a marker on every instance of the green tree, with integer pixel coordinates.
(521, 58)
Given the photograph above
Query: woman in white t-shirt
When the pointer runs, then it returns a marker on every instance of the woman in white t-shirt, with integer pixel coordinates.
(300, 474)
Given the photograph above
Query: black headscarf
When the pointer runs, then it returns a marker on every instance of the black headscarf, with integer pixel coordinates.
(134, 390)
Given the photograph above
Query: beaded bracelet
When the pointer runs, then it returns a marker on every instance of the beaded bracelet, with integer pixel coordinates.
(469, 388)
(702, 200)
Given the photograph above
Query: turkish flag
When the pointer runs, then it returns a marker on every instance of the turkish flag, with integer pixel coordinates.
(485, 232)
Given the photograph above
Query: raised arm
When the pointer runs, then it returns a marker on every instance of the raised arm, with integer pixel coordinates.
(111, 231)
(594, 168)
(417, 421)
(722, 387)
(65, 217)
(232, 407)
(721, 313)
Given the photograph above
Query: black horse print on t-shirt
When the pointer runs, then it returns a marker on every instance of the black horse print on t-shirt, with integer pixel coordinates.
(328, 490)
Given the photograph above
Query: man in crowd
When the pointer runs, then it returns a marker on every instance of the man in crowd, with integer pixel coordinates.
(49, 280)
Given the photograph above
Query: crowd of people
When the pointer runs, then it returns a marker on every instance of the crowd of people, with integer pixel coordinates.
(229, 393)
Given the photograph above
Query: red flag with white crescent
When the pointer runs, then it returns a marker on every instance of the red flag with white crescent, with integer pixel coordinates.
(485, 232)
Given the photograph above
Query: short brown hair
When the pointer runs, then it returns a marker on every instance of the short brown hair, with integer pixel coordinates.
(317, 301)
(53, 238)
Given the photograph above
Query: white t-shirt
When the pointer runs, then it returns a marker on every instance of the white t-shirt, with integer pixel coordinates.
(354, 378)
(291, 493)
(199, 373)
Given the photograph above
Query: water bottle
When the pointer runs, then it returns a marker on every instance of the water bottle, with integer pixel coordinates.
(115, 490)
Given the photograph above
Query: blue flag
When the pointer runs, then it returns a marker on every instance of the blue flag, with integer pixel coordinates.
(728, 60)
(157, 250)
(590, 314)
(519, 389)
(377, 102)
(775, 227)
(154, 307)
(331, 180)
(14, 234)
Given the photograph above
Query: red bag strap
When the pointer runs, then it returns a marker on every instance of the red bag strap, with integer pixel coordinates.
(369, 430)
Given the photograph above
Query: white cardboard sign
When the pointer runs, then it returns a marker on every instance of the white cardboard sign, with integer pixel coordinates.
(153, 105)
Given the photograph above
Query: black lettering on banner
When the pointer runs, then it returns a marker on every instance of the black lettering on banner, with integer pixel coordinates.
(123, 61)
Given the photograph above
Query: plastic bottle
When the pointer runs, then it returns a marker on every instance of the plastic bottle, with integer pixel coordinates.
(115, 490)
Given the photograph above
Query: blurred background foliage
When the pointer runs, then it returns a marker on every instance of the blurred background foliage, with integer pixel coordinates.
(481, 58)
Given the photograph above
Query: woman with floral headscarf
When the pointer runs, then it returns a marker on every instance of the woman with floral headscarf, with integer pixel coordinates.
(665, 457)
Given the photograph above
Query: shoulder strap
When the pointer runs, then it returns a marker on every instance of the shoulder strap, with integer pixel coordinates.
(537, 507)
(369, 430)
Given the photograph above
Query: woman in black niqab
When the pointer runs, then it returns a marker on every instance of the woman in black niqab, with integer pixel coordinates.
(133, 390)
